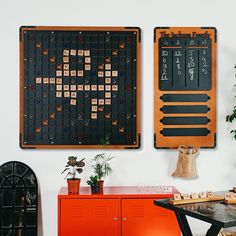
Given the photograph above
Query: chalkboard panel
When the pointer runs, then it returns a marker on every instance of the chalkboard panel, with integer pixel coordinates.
(80, 87)
(185, 87)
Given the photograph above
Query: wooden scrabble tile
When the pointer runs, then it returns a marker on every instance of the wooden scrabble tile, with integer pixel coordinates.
(73, 52)
(73, 87)
(107, 73)
(115, 123)
(100, 87)
(59, 87)
(94, 87)
(66, 52)
(65, 59)
(80, 87)
(107, 94)
(73, 94)
(94, 116)
(108, 87)
(38, 44)
(202, 195)
(66, 87)
(45, 80)
(177, 196)
(59, 67)
(94, 101)
(87, 67)
(80, 72)
(73, 102)
(66, 66)
(66, 73)
(100, 74)
(101, 101)
(114, 87)
(114, 73)
(66, 94)
(87, 59)
(38, 80)
(186, 196)
(59, 80)
(122, 129)
(58, 94)
(107, 80)
(80, 52)
(73, 73)
(194, 195)
(108, 66)
(86, 53)
(108, 101)
(87, 87)
(209, 194)
(228, 196)
(100, 66)
(94, 108)
(58, 73)
(52, 80)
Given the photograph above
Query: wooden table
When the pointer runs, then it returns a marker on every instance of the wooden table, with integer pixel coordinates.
(218, 214)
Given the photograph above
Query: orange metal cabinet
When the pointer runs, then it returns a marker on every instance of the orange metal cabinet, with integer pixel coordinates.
(140, 218)
(119, 211)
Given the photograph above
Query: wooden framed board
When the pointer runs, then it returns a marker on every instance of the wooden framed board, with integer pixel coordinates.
(185, 87)
(80, 87)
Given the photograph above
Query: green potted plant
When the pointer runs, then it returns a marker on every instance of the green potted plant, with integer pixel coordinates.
(93, 182)
(73, 168)
(102, 168)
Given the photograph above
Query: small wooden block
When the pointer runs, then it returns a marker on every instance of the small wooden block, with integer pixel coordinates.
(73, 52)
(107, 80)
(86, 53)
(108, 87)
(65, 59)
(66, 52)
(101, 101)
(94, 116)
(100, 87)
(80, 52)
(66, 94)
(94, 87)
(73, 73)
(186, 196)
(100, 74)
(202, 195)
(209, 194)
(87, 59)
(87, 67)
(94, 108)
(87, 87)
(108, 73)
(58, 94)
(114, 87)
(108, 66)
(80, 87)
(66, 73)
(114, 73)
(94, 101)
(73, 94)
(58, 73)
(177, 196)
(66, 66)
(59, 80)
(52, 80)
(107, 95)
(80, 72)
(73, 87)
(108, 101)
(45, 80)
(234, 189)
(194, 195)
(59, 87)
(73, 102)
(66, 87)
(38, 80)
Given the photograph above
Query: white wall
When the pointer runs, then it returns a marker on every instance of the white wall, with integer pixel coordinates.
(146, 166)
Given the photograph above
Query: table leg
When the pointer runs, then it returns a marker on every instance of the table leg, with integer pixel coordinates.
(183, 224)
(214, 230)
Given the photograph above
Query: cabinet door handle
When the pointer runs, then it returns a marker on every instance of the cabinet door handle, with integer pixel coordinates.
(115, 218)
(124, 218)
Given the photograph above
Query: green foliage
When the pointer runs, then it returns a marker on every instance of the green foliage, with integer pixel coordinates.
(101, 166)
(73, 167)
(93, 181)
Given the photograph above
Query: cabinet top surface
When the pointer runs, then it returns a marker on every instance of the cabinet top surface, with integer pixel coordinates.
(118, 191)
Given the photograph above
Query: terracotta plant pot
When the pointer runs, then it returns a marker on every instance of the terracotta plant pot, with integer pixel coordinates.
(73, 186)
(100, 184)
(95, 189)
